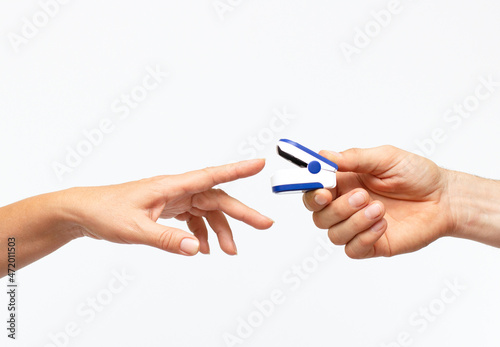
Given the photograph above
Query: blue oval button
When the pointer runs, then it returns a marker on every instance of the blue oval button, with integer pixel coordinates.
(314, 167)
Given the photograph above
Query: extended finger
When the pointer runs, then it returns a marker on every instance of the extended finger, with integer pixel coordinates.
(220, 226)
(201, 180)
(216, 199)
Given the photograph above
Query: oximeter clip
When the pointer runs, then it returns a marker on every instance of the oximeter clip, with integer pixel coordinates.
(315, 171)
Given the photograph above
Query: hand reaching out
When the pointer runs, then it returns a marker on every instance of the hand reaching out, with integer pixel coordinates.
(127, 213)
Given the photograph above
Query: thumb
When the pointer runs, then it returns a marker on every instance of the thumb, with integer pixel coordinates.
(370, 160)
(169, 239)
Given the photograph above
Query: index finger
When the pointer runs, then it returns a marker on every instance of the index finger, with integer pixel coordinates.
(200, 180)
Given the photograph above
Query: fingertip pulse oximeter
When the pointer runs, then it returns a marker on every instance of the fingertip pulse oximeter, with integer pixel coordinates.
(315, 171)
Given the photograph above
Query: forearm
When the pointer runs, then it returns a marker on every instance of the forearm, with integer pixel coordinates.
(475, 206)
(40, 225)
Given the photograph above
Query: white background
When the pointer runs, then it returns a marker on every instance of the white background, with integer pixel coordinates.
(227, 75)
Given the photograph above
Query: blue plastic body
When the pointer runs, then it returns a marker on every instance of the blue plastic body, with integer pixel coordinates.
(297, 187)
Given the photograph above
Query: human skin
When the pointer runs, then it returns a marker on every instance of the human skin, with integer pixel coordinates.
(389, 201)
(127, 213)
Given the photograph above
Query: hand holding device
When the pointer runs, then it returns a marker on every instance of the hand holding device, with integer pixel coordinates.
(387, 202)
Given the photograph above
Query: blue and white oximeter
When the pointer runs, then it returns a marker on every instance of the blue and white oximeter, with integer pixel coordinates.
(315, 171)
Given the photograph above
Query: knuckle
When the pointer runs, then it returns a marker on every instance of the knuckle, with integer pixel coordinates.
(360, 248)
(197, 212)
(337, 212)
(355, 150)
(334, 237)
(153, 181)
(358, 222)
(388, 148)
(318, 221)
(208, 172)
(165, 240)
(351, 253)
(200, 200)
(219, 193)
(364, 242)
(356, 225)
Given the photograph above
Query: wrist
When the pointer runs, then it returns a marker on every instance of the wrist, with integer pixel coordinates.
(40, 225)
(474, 207)
(64, 213)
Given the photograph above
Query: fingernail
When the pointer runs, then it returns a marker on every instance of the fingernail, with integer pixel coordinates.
(378, 226)
(190, 246)
(235, 249)
(337, 154)
(373, 211)
(357, 200)
(271, 220)
(320, 199)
